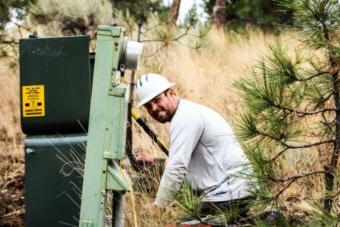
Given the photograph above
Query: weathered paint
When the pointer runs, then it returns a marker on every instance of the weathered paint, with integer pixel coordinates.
(107, 125)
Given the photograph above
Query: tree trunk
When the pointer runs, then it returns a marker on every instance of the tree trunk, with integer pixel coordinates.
(175, 10)
(332, 167)
(219, 13)
(331, 176)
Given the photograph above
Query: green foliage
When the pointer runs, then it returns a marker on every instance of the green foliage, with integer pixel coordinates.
(285, 91)
(188, 200)
(323, 218)
(13, 9)
(278, 220)
(272, 95)
(193, 208)
(191, 17)
(278, 94)
(266, 14)
(262, 172)
(273, 78)
(318, 21)
(139, 11)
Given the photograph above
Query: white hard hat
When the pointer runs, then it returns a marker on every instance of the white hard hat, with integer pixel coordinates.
(149, 86)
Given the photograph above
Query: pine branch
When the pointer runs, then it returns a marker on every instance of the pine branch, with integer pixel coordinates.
(284, 189)
(173, 39)
(301, 147)
(278, 154)
(292, 179)
(307, 145)
(313, 76)
(279, 139)
(295, 177)
(302, 113)
(325, 99)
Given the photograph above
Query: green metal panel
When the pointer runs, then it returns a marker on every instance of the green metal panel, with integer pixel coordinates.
(106, 136)
(62, 66)
(52, 182)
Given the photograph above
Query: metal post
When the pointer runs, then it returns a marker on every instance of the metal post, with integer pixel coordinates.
(117, 209)
(107, 129)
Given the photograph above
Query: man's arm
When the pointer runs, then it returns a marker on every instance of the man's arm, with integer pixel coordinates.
(184, 137)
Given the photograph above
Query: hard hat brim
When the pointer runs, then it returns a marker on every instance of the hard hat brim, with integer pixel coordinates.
(153, 95)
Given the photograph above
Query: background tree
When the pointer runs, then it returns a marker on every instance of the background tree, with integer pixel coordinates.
(238, 13)
(175, 6)
(219, 13)
(292, 105)
(133, 9)
(11, 11)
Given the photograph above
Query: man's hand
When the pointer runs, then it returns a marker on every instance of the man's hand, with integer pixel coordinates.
(145, 158)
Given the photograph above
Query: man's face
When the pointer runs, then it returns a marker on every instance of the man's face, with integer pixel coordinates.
(162, 107)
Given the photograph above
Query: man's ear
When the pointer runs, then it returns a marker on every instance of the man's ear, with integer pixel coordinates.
(170, 92)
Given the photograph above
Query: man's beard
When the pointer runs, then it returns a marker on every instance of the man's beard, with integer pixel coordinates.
(162, 118)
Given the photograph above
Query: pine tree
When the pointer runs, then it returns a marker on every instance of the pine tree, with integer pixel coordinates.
(293, 104)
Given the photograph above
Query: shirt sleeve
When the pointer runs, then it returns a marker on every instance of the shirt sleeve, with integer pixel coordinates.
(184, 136)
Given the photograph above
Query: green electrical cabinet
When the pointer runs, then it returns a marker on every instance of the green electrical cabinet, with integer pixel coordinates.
(53, 179)
(55, 82)
(66, 91)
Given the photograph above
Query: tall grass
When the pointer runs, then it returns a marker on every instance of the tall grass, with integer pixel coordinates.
(11, 150)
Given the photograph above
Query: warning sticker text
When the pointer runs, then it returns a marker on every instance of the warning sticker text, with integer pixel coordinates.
(33, 101)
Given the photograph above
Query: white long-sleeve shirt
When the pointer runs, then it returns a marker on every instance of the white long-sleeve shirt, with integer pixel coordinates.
(204, 150)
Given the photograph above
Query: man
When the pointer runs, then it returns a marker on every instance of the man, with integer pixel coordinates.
(203, 148)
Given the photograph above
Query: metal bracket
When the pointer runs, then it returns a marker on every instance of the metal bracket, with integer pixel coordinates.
(118, 91)
(86, 223)
(116, 180)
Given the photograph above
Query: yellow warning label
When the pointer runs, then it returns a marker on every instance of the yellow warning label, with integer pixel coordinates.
(33, 101)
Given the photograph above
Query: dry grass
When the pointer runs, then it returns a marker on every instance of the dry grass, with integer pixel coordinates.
(206, 76)
(11, 151)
